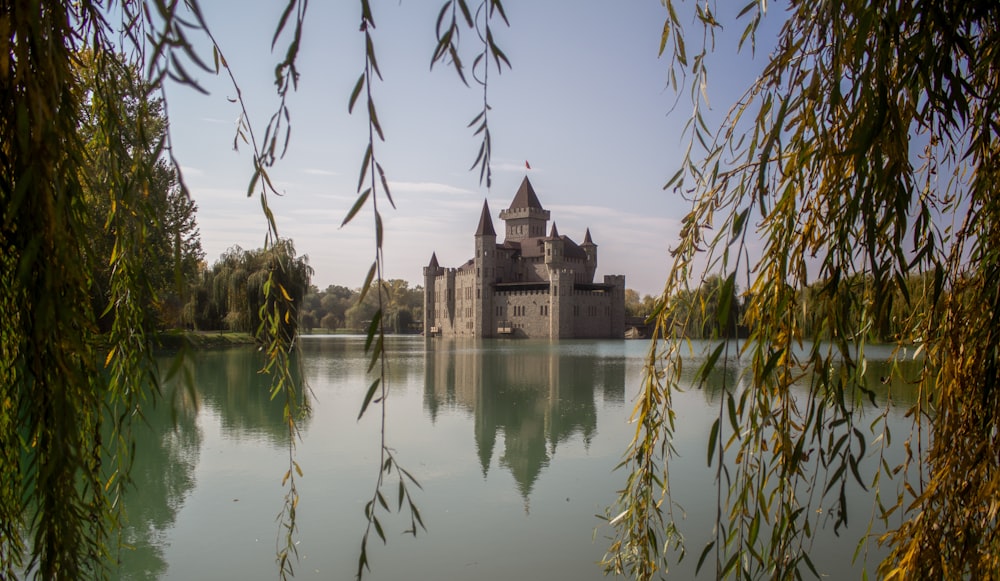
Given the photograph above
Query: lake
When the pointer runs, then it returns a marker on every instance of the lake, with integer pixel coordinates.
(514, 443)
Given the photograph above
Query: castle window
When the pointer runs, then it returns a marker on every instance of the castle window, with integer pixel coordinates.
(477, 293)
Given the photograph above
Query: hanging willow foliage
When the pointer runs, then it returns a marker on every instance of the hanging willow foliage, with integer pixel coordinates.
(75, 127)
(864, 158)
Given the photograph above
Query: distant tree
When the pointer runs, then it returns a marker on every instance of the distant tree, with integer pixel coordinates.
(331, 322)
(633, 303)
(235, 292)
(359, 315)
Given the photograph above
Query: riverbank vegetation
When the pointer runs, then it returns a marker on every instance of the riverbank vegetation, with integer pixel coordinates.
(852, 191)
(338, 308)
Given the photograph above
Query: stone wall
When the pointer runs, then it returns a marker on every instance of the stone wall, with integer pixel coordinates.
(526, 312)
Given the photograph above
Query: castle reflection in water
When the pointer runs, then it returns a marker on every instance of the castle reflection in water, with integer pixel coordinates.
(536, 395)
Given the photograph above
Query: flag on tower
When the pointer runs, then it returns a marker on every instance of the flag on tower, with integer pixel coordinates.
(527, 165)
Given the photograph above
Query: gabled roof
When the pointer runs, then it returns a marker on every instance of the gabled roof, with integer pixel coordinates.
(485, 222)
(525, 197)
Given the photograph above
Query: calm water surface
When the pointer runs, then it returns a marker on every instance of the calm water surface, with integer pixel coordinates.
(514, 443)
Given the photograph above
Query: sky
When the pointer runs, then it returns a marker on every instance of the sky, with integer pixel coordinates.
(586, 103)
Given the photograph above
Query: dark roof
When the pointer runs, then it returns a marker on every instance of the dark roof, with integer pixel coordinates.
(534, 247)
(485, 222)
(572, 250)
(586, 239)
(434, 261)
(525, 197)
(554, 233)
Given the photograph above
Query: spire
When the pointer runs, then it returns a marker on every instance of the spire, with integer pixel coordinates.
(525, 197)
(434, 261)
(554, 234)
(586, 239)
(485, 222)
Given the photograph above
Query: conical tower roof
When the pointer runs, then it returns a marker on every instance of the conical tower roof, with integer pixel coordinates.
(434, 261)
(586, 239)
(525, 197)
(554, 234)
(485, 222)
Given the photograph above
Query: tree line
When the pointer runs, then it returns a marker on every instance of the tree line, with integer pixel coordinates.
(229, 296)
(337, 308)
(825, 309)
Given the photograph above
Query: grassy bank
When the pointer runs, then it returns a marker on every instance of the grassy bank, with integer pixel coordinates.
(203, 339)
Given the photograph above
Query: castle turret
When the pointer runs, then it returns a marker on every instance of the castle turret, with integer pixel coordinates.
(590, 248)
(485, 265)
(554, 249)
(431, 272)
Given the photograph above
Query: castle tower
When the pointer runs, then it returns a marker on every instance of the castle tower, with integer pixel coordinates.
(560, 303)
(617, 323)
(485, 264)
(591, 249)
(525, 218)
(431, 272)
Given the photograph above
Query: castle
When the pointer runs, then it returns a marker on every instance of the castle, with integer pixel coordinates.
(531, 285)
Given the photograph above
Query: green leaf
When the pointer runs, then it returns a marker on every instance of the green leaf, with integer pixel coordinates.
(369, 395)
(712, 437)
(373, 328)
(664, 36)
(282, 21)
(358, 204)
(704, 554)
(365, 161)
(367, 285)
(355, 93)
(702, 376)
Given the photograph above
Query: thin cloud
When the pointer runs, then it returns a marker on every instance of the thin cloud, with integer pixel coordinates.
(187, 171)
(426, 188)
(320, 172)
(513, 166)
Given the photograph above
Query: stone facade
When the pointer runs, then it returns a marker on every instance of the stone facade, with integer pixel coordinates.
(531, 285)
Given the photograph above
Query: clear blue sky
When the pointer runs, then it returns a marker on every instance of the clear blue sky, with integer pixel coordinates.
(587, 103)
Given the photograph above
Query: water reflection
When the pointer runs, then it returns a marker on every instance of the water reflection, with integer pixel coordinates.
(167, 448)
(882, 378)
(229, 383)
(169, 441)
(531, 395)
